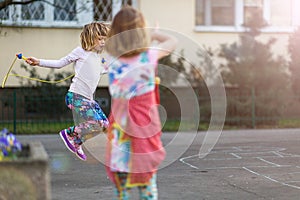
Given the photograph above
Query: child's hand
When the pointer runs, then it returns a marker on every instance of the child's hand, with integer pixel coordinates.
(33, 61)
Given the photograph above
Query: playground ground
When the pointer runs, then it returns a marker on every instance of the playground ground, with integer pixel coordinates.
(244, 164)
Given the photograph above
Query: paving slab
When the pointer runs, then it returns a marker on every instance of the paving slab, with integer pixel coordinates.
(244, 164)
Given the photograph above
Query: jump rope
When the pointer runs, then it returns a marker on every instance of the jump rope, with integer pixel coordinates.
(20, 56)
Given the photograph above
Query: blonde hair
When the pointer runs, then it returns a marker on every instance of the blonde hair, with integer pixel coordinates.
(128, 36)
(91, 33)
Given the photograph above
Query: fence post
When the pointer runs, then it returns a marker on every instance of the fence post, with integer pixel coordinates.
(253, 107)
(15, 111)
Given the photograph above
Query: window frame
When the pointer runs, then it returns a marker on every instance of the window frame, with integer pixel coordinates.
(239, 19)
(82, 17)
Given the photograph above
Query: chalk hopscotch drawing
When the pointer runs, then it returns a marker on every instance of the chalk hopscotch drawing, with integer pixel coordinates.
(270, 163)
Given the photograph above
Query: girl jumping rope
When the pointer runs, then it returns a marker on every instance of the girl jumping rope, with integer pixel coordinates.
(134, 149)
(88, 69)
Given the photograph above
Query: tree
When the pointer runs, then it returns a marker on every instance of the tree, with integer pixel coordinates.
(294, 65)
(180, 71)
(252, 69)
(182, 67)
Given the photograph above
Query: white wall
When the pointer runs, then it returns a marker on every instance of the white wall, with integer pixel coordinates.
(176, 15)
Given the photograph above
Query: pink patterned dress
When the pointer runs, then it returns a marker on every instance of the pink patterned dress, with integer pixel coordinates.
(134, 134)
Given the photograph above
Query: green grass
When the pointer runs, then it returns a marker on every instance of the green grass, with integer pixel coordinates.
(23, 128)
(36, 127)
(289, 123)
(176, 125)
(44, 127)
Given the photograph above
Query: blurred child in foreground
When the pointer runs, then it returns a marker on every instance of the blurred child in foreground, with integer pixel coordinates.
(134, 149)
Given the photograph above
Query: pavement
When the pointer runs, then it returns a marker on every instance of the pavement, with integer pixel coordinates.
(244, 164)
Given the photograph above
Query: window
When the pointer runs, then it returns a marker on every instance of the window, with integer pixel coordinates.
(222, 12)
(215, 12)
(252, 7)
(58, 13)
(35, 11)
(231, 15)
(4, 14)
(103, 9)
(282, 13)
(64, 10)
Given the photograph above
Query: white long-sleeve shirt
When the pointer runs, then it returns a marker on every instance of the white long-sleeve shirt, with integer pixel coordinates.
(88, 69)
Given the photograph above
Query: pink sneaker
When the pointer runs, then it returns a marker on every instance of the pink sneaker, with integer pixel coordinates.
(69, 143)
(80, 154)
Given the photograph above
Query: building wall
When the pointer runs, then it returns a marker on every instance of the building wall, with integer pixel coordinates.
(47, 43)
(177, 16)
(38, 42)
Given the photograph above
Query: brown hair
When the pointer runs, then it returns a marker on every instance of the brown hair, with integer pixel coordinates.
(128, 36)
(91, 33)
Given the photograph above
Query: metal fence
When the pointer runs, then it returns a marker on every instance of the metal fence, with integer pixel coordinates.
(34, 111)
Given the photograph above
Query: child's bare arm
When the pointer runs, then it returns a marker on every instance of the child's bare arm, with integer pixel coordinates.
(166, 43)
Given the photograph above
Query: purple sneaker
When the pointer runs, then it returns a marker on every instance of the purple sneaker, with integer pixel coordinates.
(80, 154)
(67, 140)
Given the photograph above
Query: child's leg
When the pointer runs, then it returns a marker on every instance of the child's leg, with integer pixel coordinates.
(149, 192)
(73, 102)
(71, 136)
(89, 118)
(121, 191)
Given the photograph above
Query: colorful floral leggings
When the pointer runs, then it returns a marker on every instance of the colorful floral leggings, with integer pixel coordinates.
(88, 117)
(146, 192)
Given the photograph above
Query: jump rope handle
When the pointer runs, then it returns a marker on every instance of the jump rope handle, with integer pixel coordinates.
(20, 56)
